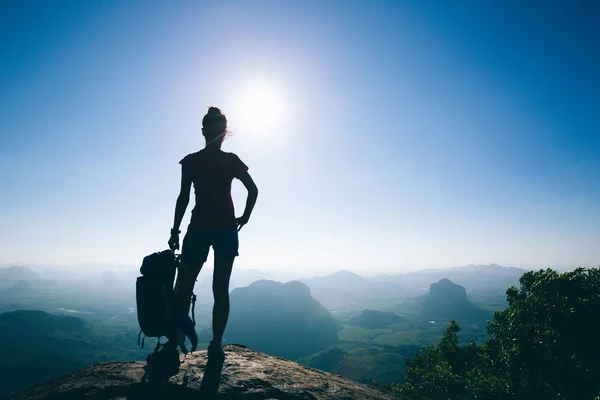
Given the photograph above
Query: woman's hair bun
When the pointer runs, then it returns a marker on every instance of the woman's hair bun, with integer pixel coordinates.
(214, 123)
(214, 111)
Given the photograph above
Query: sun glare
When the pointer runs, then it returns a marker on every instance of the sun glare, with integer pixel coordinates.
(260, 108)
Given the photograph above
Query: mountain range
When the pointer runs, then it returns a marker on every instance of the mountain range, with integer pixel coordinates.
(474, 278)
(346, 291)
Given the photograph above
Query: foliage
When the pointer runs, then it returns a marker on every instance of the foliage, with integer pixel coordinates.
(449, 371)
(544, 345)
(546, 342)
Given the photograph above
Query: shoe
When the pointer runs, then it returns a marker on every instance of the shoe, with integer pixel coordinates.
(215, 351)
(164, 363)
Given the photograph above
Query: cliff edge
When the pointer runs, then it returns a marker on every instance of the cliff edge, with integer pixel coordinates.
(245, 374)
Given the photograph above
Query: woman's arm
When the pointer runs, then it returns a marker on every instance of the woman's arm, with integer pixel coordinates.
(180, 206)
(250, 201)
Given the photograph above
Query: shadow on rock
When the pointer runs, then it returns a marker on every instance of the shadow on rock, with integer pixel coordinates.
(159, 374)
(212, 377)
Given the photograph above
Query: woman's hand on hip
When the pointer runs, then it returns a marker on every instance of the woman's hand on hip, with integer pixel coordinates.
(241, 221)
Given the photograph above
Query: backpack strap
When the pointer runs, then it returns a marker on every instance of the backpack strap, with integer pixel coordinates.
(143, 339)
(193, 308)
(158, 344)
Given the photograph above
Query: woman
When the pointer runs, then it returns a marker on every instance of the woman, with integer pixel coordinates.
(213, 223)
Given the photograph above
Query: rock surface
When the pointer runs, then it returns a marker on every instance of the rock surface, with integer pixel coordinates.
(244, 374)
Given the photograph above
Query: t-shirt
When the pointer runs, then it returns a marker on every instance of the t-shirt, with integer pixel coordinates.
(212, 172)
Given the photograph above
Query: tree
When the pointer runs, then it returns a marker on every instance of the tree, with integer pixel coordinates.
(544, 345)
(546, 341)
(449, 371)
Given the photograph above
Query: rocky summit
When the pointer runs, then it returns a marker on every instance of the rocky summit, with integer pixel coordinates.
(245, 374)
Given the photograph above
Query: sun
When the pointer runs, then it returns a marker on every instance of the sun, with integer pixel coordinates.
(260, 108)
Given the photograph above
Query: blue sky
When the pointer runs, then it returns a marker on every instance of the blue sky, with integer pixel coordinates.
(413, 134)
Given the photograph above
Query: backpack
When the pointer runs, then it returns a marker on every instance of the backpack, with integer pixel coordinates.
(155, 296)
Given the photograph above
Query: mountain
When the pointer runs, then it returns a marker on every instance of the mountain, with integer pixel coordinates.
(280, 319)
(475, 278)
(9, 276)
(448, 301)
(345, 289)
(247, 375)
(371, 319)
(21, 287)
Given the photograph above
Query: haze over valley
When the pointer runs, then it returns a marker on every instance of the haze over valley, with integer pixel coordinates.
(372, 321)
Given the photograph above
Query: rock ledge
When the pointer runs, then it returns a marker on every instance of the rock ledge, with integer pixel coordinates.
(245, 374)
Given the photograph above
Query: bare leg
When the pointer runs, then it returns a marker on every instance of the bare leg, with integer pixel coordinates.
(186, 279)
(221, 276)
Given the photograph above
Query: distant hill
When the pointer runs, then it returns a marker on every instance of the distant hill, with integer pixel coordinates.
(11, 275)
(492, 269)
(345, 288)
(448, 301)
(33, 323)
(244, 277)
(43, 284)
(21, 287)
(475, 278)
(386, 365)
(280, 319)
(371, 319)
(37, 346)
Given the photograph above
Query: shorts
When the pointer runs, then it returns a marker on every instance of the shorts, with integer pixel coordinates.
(197, 242)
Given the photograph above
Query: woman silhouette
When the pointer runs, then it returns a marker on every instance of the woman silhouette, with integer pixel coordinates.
(213, 223)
